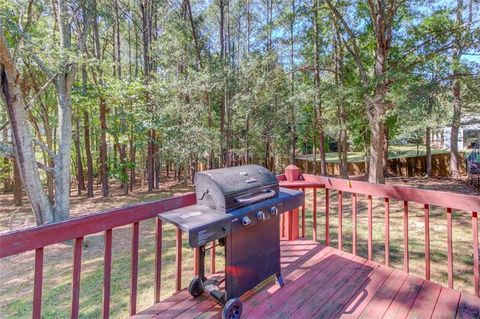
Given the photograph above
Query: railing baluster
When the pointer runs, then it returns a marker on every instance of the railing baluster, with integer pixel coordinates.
(212, 258)
(178, 260)
(303, 216)
(427, 241)
(369, 220)
(158, 259)
(327, 217)
(77, 265)
(340, 228)
(134, 269)
(449, 248)
(314, 214)
(37, 284)
(475, 253)
(405, 237)
(107, 270)
(354, 224)
(387, 231)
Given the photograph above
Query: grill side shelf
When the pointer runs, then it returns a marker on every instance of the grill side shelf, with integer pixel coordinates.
(201, 223)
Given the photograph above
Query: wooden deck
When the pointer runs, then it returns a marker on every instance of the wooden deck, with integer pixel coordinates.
(322, 282)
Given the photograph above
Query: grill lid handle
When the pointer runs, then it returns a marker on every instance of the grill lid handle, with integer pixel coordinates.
(256, 198)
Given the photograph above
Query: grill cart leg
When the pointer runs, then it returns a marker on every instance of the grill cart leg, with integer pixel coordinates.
(280, 281)
(200, 283)
(196, 286)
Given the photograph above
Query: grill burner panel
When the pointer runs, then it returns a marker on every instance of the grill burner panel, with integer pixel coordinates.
(240, 207)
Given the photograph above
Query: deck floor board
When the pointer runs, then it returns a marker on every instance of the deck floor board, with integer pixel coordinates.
(323, 282)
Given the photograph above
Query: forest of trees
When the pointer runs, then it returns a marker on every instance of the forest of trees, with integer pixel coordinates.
(96, 91)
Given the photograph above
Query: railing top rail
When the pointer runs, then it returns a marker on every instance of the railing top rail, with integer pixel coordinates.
(23, 240)
(422, 196)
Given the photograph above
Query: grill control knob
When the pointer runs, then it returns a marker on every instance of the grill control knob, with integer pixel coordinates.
(274, 211)
(261, 215)
(246, 221)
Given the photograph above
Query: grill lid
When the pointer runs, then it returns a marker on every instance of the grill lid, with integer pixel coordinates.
(232, 187)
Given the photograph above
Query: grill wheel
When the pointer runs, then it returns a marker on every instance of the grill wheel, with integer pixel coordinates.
(232, 309)
(195, 288)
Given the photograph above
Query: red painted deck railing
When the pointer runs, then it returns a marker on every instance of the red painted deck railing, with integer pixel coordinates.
(77, 229)
(449, 201)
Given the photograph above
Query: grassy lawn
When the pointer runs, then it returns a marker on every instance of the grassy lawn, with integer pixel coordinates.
(17, 271)
(395, 151)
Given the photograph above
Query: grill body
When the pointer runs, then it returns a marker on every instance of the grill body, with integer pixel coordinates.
(241, 208)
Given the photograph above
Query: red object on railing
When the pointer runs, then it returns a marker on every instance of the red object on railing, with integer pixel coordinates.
(292, 173)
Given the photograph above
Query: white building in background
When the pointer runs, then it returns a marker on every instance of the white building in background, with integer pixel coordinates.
(469, 131)
(447, 131)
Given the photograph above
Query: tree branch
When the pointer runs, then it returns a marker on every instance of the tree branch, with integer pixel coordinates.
(42, 89)
(9, 152)
(44, 147)
(42, 65)
(44, 167)
(353, 47)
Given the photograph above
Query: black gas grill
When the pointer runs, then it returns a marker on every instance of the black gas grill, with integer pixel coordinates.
(240, 208)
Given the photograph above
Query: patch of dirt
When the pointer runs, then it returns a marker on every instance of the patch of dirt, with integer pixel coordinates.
(443, 184)
(13, 217)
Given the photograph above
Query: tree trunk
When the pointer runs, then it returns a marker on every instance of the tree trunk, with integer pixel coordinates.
(318, 103)
(456, 92)
(22, 135)
(17, 186)
(6, 168)
(293, 138)
(62, 159)
(342, 114)
(103, 148)
(377, 131)
(457, 112)
(385, 150)
(88, 153)
(78, 151)
(428, 146)
(132, 163)
(223, 96)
